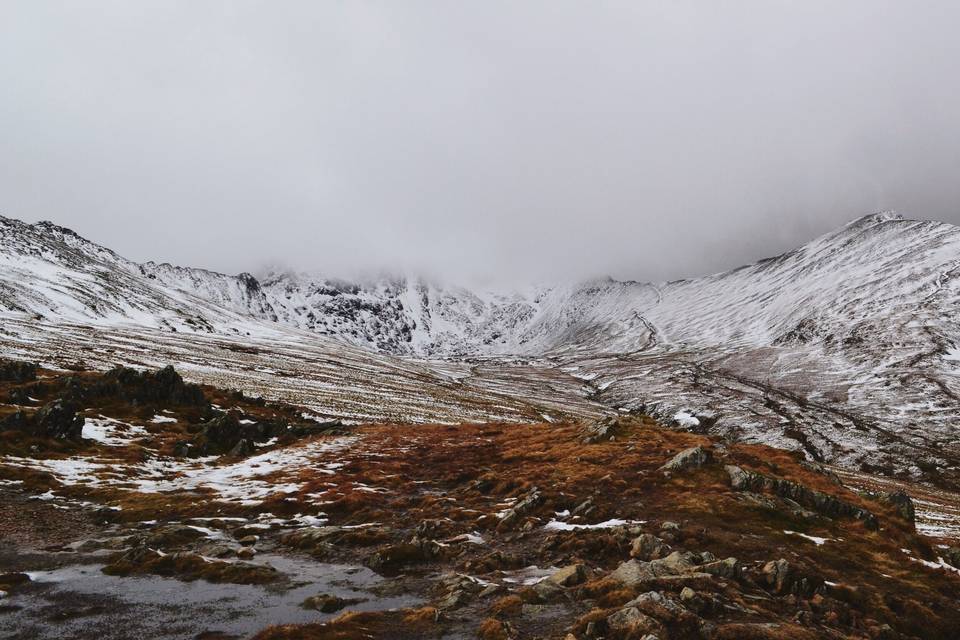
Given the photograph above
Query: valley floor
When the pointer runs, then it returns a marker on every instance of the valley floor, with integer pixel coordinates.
(223, 516)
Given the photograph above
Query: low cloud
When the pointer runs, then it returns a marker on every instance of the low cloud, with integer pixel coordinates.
(496, 139)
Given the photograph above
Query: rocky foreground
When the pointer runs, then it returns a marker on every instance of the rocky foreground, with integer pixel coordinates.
(135, 504)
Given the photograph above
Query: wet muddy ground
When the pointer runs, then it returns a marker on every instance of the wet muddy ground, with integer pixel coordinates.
(69, 596)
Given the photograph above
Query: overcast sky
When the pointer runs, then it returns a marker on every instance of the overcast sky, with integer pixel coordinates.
(646, 140)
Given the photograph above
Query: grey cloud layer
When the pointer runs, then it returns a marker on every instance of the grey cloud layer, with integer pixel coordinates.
(515, 140)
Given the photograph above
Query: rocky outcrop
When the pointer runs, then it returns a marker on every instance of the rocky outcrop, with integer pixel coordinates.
(17, 371)
(163, 387)
(903, 504)
(822, 503)
(57, 419)
(952, 556)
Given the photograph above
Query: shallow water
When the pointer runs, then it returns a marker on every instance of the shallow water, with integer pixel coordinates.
(81, 602)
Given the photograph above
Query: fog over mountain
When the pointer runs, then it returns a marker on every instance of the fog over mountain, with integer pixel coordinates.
(646, 141)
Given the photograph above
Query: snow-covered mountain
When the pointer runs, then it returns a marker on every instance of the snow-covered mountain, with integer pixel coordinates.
(877, 284)
(847, 347)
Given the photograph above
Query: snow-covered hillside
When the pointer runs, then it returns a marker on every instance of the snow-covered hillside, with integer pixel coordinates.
(847, 347)
(874, 285)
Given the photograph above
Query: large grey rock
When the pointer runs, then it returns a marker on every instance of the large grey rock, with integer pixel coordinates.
(632, 573)
(692, 458)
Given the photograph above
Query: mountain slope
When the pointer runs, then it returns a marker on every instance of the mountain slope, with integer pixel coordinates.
(846, 347)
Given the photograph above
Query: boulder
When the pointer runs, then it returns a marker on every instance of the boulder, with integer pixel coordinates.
(658, 606)
(676, 562)
(602, 430)
(630, 620)
(392, 558)
(649, 547)
(692, 458)
(632, 573)
(777, 575)
(169, 536)
(248, 541)
(547, 590)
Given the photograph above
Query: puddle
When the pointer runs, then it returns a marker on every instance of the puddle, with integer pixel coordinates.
(81, 602)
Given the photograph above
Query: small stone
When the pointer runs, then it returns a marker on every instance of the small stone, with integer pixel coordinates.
(249, 541)
(246, 553)
(491, 590)
(328, 603)
(453, 600)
